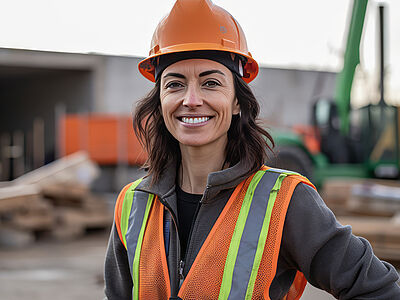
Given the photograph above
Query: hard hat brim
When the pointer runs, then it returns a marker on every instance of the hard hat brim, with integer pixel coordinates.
(147, 69)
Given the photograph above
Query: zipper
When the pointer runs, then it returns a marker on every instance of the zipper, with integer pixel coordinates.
(181, 277)
(180, 263)
(191, 230)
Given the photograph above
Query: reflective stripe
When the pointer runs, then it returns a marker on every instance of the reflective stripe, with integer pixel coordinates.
(283, 171)
(263, 235)
(126, 208)
(135, 224)
(138, 204)
(250, 237)
(135, 269)
(167, 224)
(237, 236)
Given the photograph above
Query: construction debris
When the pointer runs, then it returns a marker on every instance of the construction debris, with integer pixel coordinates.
(372, 208)
(382, 233)
(74, 168)
(54, 199)
(362, 196)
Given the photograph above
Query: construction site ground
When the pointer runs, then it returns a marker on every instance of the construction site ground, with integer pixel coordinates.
(66, 270)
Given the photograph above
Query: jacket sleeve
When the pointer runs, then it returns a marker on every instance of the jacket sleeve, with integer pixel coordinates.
(329, 255)
(117, 277)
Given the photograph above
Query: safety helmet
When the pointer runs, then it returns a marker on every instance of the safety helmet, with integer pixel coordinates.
(196, 25)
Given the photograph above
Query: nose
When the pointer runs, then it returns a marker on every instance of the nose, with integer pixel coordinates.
(192, 97)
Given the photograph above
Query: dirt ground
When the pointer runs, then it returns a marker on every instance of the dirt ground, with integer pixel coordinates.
(66, 270)
(54, 270)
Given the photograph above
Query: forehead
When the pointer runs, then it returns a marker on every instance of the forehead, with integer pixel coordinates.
(196, 66)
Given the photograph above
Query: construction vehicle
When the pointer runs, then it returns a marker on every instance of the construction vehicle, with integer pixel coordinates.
(343, 142)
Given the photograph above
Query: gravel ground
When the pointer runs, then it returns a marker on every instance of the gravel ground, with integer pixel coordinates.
(66, 270)
(54, 270)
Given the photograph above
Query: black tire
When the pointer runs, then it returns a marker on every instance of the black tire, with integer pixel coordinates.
(292, 158)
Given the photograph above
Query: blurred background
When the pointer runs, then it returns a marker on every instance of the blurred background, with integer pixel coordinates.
(328, 87)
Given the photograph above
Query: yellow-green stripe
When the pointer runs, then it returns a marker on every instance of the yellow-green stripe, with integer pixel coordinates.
(237, 235)
(263, 236)
(138, 249)
(126, 208)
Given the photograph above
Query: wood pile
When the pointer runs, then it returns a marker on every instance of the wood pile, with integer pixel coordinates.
(54, 200)
(383, 234)
(372, 208)
(362, 197)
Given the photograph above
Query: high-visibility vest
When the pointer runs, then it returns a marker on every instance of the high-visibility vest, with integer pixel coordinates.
(238, 259)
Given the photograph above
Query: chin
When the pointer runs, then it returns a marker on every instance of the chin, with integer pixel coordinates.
(196, 143)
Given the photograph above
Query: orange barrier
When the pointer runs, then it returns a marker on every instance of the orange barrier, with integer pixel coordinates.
(109, 139)
(310, 136)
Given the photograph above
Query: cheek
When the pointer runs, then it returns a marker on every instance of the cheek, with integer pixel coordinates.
(165, 106)
(167, 109)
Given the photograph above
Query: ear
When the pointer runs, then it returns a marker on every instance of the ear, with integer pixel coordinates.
(235, 107)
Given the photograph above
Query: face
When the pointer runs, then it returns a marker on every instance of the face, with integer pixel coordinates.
(198, 101)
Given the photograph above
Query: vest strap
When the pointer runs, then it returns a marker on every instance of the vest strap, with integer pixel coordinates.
(135, 271)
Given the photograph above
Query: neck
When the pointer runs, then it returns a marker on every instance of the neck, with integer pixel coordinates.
(197, 163)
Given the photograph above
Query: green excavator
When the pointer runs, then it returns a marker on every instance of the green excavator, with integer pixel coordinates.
(345, 142)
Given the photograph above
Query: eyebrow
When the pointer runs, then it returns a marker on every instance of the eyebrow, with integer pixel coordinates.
(211, 72)
(174, 75)
(205, 73)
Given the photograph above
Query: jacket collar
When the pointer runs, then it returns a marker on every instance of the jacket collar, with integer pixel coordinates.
(216, 181)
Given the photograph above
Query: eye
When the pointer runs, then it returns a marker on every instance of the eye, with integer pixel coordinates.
(211, 83)
(173, 85)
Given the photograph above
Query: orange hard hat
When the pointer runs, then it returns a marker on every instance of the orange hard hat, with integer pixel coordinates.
(194, 25)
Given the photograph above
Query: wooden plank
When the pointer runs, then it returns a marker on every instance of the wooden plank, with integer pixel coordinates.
(33, 221)
(75, 168)
(23, 203)
(337, 191)
(66, 194)
(380, 231)
(83, 218)
(18, 190)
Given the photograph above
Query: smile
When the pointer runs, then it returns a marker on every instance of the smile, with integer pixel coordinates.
(195, 120)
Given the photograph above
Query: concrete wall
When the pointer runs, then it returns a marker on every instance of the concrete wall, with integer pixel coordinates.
(123, 84)
(286, 96)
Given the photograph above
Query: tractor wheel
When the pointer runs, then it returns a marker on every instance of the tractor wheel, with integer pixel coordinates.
(292, 158)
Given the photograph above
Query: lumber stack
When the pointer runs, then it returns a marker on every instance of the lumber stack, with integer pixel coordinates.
(362, 197)
(22, 207)
(383, 234)
(372, 208)
(54, 200)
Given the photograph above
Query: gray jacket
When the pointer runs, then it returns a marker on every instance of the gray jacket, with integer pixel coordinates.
(327, 253)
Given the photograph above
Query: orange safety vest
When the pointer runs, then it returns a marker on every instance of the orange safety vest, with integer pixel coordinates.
(239, 257)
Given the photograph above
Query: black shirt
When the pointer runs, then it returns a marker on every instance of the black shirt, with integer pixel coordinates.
(187, 204)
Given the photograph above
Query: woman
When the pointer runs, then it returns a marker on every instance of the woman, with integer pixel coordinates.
(209, 221)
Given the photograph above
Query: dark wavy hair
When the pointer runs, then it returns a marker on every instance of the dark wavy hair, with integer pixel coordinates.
(247, 140)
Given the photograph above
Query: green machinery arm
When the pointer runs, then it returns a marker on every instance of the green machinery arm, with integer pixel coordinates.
(344, 79)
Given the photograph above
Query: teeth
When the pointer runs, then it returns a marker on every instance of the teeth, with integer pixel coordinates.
(195, 120)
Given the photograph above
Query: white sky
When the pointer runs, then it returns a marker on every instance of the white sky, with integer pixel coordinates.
(287, 33)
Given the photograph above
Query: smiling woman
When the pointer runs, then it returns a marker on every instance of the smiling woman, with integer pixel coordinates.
(209, 220)
(200, 103)
(197, 103)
